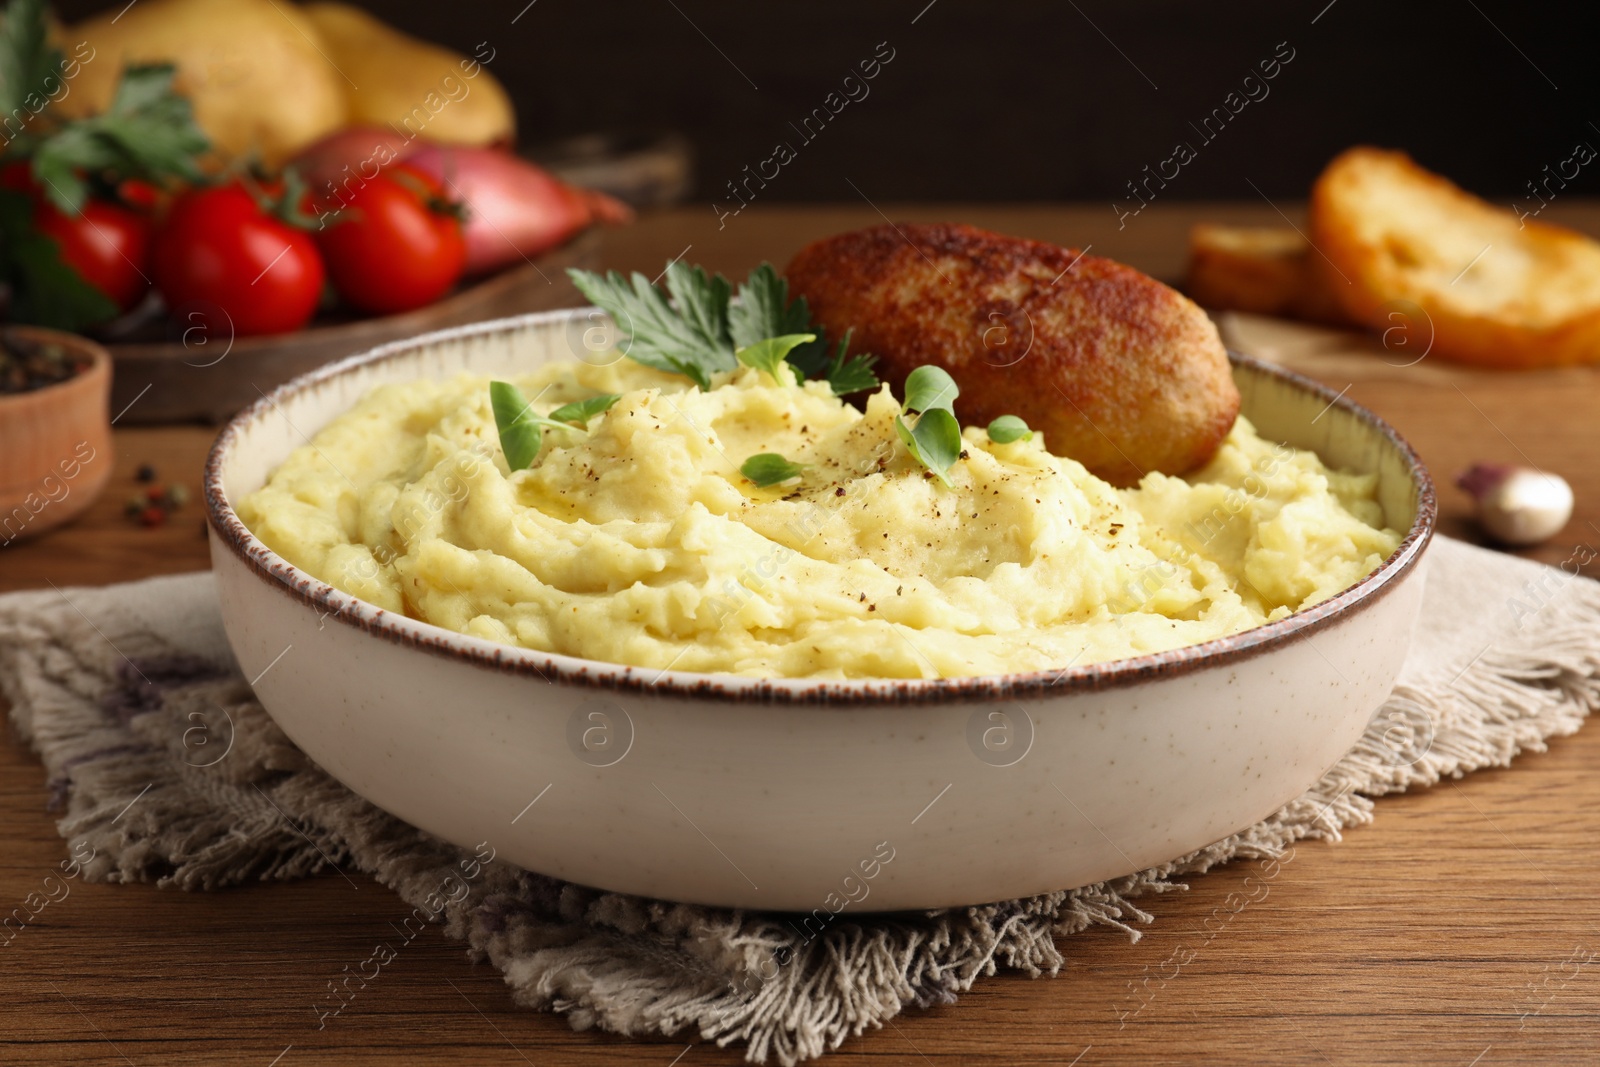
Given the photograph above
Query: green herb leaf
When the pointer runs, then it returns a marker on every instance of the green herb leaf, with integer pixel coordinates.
(700, 331)
(61, 161)
(930, 389)
(690, 338)
(44, 290)
(290, 203)
(934, 442)
(520, 436)
(1009, 428)
(765, 310)
(851, 374)
(26, 58)
(696, 372)
(148, 132)
(522, 429)
(702, 302)
(769, 355)
(579, 412)
(769, 468)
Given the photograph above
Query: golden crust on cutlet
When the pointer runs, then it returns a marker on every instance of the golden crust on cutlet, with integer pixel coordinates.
(1118, 371)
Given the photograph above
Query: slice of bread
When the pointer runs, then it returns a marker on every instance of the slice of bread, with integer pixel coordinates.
(1497, 290)
(1265, 270)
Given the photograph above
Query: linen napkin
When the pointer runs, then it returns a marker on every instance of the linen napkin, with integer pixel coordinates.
(129, 693)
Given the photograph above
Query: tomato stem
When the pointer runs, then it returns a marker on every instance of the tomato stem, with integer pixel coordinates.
(287, 206)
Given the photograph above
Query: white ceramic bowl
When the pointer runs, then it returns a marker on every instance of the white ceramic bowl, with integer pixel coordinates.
(794, 794)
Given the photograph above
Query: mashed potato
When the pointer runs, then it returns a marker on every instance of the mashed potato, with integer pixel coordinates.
(640, 542)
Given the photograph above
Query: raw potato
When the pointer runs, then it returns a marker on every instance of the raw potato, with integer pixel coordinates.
(251, 67)
(1118, 371)
(418, 87)
(1263, 270)
(1498, 291)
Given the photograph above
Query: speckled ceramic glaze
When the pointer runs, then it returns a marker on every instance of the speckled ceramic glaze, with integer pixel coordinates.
(794, 794)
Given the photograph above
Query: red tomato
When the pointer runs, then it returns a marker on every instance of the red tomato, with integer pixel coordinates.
(140, 195)
(220, 249)
(396, 244)
(108, 245)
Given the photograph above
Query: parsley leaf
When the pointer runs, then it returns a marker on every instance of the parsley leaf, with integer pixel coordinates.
(935, 440)
(768, 355)
(1009, 428)
(702, 302)
(579, 412)
(769, 468)
(27, 59)
(699, 331)
(691, 339)
(850, 374)
(695, 372)
(148, 132)
(44, 290)
(765, 310)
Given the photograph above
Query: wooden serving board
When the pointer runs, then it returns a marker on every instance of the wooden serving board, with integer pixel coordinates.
(191, 377)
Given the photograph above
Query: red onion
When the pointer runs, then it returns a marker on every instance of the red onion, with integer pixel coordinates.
(515, 209)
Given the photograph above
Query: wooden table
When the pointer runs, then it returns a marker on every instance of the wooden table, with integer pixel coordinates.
(1450, 932)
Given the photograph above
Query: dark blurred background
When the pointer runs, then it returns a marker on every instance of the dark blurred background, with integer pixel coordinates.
(1029, 100)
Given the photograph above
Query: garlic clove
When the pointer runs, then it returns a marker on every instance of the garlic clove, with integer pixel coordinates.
(1518, 505)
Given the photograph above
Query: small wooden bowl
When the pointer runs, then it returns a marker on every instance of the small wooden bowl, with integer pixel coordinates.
(55, 442)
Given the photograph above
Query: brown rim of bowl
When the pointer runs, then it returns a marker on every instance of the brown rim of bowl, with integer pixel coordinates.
(346, 610)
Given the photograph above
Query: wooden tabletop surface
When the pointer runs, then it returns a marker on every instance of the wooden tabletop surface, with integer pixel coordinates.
(1457, 929)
